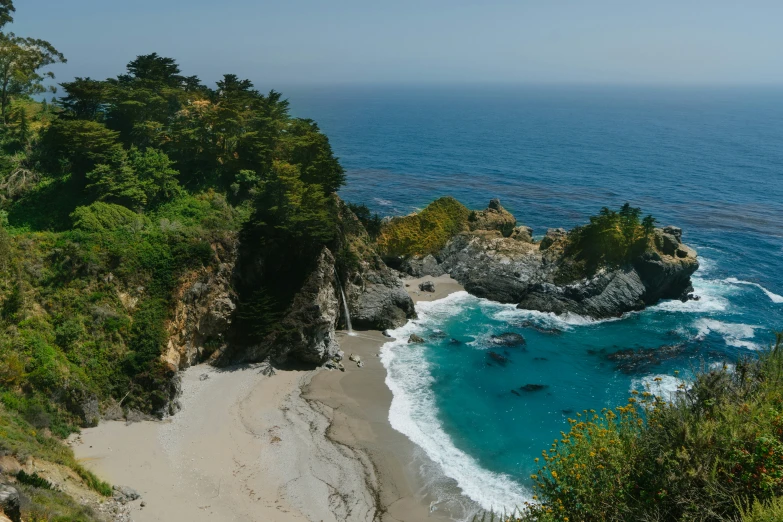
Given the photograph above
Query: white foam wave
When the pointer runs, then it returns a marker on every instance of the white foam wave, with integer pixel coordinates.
(775, 298)
(383, 202)
(664, 386)
(711, 298)
(413, 412)
(734, 334)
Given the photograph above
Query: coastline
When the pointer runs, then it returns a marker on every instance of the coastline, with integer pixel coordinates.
(300, 445)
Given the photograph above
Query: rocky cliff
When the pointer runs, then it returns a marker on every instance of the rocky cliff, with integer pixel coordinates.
(205, 304)
(505, 264)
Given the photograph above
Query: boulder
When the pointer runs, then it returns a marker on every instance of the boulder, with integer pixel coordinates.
(415, 339)
(495, 217)
(378, 300)
(9, 503)
(124, 494)
(552, 236)
(427, 286)
(508, 339)
(421, 266)
(522, 233)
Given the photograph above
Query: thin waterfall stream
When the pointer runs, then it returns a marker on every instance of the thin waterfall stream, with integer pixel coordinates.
(345, 306)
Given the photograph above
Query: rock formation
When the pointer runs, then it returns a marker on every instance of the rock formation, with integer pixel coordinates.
(504, 264)
(205, 304)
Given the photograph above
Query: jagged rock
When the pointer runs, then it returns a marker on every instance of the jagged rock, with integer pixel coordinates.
(674, 231)
(307, 331)
(338, 356)
(427, 286)
(124, 494)
(360, 364)
(508, 339)
(415, 339)
(9, 503)
(354, 358)
(204, 307)
(418, 266)
(522, 233)
(379, 300)
(91, 412)
(552, 236)
(495, 217)
(510, 271)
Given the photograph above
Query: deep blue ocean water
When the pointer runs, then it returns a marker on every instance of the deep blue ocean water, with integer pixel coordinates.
(707, 160)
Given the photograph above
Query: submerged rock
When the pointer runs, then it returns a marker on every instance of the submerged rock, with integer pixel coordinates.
(632, 361)
(496, 357)
(508, 339)
(533, 387)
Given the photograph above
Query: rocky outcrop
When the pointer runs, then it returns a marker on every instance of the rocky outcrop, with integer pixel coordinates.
(205, 304)
(512, 268)
(661, 272)
(420, 266)
(9, 503)
(307, 331)
(495, 217)
(376, 295)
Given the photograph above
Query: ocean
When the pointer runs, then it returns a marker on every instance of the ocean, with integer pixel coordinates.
(709, 160)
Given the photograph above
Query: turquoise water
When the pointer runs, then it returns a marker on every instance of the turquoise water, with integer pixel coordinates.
(708, 160)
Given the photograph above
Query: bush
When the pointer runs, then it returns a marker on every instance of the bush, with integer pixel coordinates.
(771, 511)
(612, 238)
(426, 232)
(33, 479)
(102, 217)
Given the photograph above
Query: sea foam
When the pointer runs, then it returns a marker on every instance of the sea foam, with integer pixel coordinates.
(734, 334)
(775, 298)
(413, 412)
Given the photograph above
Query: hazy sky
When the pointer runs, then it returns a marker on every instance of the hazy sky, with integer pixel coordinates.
(290, 42)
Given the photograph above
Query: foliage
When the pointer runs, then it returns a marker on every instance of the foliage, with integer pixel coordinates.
(33, 479)
(692, 459)
(21, 61)
(770, 511)
(372, 222)
(425, 232)
(612, 238)
(104, 217)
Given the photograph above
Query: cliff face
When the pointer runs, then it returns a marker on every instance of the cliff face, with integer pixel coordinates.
(515, 269)
(376, 295)
(205, 304)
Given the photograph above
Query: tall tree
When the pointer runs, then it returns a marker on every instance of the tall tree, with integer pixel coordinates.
(6, 8)
(21, 61)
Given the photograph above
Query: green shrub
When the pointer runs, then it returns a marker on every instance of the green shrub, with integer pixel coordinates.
(425, 232)
(612, 238)
(770, 511)
(102, 217)
(33, 479)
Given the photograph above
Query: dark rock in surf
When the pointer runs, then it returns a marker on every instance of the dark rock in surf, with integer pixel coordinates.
(508, 339)
(415, 339)
(500, 359)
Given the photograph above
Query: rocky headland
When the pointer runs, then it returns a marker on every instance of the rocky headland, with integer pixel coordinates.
(495, 258)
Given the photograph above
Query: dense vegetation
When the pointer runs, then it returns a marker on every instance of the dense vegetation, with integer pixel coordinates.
(425, 232)
(109, 195)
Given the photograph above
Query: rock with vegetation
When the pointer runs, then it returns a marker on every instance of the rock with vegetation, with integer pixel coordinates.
(376, 295)
(615, 264)
(494, 217)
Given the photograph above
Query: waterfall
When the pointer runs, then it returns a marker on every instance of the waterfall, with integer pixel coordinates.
(345, 305)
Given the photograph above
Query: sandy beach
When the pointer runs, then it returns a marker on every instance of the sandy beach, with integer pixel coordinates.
(310, 445)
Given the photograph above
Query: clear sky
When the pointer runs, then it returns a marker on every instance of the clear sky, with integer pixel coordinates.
(290, 42)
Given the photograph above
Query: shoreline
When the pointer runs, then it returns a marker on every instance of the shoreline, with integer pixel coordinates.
(300, 445)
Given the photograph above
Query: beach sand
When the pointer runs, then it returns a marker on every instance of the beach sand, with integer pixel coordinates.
(300, 445)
